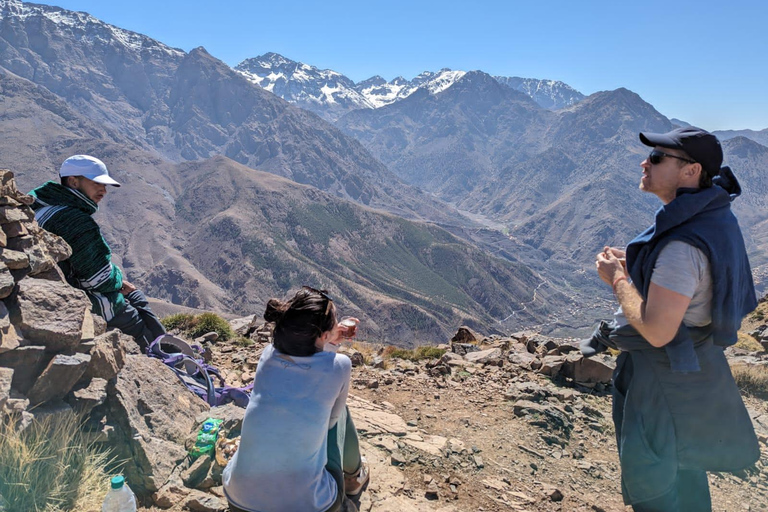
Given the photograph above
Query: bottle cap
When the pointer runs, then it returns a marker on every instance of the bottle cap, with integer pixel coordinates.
(117, 481)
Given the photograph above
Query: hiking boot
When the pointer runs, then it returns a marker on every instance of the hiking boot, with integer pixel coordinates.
(354, 483)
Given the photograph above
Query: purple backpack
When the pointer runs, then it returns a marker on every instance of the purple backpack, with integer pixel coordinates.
(185, 361)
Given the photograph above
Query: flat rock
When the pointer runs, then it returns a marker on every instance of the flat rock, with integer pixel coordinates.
(198, 501)
(14, 260)
(153, 413)
(492, 355)
(372, 419)
(58, 378)
(50, 313)
(433, 445)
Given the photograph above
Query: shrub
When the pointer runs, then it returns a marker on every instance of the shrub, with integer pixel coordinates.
(751, 379)
(193, 326)
(417, 354)
(180, 321)
(207, 322)
(51, 466)
(747, 342)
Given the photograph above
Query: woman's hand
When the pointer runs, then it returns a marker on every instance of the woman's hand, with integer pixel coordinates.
(348, 327)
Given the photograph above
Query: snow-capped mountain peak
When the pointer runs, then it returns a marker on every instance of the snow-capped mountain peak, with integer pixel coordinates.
(331, 94)
(323, 91)
(85, 27)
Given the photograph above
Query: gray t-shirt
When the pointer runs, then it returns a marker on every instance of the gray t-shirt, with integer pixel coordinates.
(684, 269)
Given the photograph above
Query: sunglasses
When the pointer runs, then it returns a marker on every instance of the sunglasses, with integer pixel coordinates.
(323, 294)
(656, 157)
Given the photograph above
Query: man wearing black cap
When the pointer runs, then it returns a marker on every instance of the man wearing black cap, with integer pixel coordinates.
(683, 291)
(66, 209)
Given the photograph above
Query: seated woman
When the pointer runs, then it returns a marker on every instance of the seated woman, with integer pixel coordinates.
(298, 449)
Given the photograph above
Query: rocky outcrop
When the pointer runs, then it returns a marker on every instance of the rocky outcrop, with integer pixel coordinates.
(153, 413)
(43, 319)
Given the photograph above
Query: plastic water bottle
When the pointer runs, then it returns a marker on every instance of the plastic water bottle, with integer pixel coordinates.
(120, 498)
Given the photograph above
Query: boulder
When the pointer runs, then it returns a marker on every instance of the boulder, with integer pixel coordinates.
(7, 283)
(107, 355)
(490, 356)
(99, 325)
(197, 471)
(84, 399)
(551, 365)
(54, 412)
(9, 336)
(14, 229)
(465, 335)
(231, 416)
(28, 363)
(241, 325)
(58, 378)
(55, 246)
(50, 313)
(589, 370)
(199, 501)
(21, 213)
(3, 239)
(39, 261)
(22, 243)
(463, 349)
(153, 413)
(14, 260)
(524, 360)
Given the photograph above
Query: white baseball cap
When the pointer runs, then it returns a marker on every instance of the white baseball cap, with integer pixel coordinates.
(88, 167)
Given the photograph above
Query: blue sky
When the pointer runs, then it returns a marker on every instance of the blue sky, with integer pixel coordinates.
(701, 61)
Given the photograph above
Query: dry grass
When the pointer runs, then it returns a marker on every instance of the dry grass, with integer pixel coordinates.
(51, 466)
(749, 343)
(751, 379)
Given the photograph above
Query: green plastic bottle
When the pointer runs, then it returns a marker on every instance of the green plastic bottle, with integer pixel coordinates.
(206, 438)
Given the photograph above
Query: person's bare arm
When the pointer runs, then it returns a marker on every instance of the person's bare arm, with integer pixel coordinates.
(658, 318)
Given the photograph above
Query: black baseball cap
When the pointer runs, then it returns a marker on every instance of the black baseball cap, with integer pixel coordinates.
(700, 145)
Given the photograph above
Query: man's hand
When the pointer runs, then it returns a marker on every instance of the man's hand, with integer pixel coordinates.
(609, 266)
(127, 288)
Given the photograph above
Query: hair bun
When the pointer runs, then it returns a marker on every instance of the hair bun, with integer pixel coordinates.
(275, 310)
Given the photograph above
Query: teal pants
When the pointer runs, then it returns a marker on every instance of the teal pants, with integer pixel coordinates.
(343, 454)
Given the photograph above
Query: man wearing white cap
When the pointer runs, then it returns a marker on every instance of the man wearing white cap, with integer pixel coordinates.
(66, 209)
